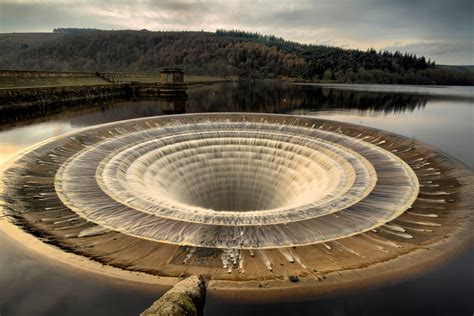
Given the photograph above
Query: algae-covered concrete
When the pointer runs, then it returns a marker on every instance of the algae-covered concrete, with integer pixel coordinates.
(185, 298)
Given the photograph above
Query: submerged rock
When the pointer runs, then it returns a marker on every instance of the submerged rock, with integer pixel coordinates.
(185, 298)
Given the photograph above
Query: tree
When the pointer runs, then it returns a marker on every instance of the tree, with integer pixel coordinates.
(327, 76)
(221, 53)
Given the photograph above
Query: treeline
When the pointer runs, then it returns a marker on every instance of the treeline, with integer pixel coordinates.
(73, 30)
(227, 53)
(237, 34)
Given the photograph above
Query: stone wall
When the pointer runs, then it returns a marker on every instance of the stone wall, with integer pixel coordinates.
(16, 104)
(33, 73)
(25, 103)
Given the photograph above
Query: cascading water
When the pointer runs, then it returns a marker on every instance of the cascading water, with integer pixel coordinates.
(230, 189)
(236, 185)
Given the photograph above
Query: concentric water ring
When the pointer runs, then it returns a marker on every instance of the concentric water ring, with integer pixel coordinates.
(147, 194)
(262, 164)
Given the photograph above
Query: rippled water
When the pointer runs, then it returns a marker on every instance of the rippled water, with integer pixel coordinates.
(442, 116)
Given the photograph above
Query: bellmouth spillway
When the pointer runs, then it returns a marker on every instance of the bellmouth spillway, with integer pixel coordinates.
(246, 200)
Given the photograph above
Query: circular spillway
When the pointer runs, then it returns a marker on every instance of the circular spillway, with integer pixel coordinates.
(236, 185)
(192, 193)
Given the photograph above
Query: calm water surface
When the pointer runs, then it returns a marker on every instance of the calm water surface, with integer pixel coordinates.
(440, 116)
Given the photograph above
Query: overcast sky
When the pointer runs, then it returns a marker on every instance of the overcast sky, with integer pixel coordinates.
(439, 29)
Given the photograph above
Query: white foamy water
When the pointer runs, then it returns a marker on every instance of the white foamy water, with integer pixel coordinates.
(235, 184)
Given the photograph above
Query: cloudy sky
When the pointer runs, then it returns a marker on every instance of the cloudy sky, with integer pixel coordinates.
(440, 29)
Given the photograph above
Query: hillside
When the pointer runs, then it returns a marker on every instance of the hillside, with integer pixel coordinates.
(223, 53)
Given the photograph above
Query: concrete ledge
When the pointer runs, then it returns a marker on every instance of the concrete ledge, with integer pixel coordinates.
(185, 298)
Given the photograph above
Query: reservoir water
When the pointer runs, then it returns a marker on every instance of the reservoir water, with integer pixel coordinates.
(441, 116)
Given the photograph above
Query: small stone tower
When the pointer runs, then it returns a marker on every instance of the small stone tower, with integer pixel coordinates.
(171, 75)
(172, 82)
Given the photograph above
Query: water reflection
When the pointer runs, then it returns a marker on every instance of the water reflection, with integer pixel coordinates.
(173, 104)
(32, 285)
(280, 97)
(267, 97)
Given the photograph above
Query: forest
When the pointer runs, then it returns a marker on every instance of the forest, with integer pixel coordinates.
(227, 53)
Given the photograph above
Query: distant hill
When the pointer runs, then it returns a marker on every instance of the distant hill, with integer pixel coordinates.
(465, 68)
(223, 53)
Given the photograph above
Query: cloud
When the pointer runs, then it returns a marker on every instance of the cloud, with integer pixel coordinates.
(450, 52)
(356, 24)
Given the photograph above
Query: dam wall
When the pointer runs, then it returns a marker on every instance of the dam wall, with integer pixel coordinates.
(19, 103)
(41, 73)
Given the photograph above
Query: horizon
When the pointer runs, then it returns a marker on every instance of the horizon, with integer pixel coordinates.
(439, 30)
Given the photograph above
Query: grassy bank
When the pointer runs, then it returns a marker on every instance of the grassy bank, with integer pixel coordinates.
(29, 82)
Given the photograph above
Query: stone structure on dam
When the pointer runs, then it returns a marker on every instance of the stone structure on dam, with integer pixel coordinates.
(172, 82)
(278, 205)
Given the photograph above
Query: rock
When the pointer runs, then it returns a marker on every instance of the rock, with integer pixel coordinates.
(185, 298)
(294, 278)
